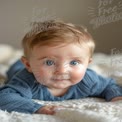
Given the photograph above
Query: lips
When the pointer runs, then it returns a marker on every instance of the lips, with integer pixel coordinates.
(61, 77)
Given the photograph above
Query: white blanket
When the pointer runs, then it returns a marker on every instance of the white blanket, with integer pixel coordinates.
(82, 110)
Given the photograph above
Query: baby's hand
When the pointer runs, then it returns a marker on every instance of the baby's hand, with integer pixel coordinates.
(48, 109)
(116, 99)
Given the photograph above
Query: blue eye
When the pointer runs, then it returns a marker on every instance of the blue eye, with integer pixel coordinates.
(74, 62)
(49, 62)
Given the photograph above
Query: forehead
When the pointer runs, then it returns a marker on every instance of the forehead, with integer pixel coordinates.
(67, 50)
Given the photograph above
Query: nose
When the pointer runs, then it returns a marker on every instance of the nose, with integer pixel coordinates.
(61, 68)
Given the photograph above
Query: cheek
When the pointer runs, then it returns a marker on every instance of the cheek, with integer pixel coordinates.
(41, 74)
(78, 74)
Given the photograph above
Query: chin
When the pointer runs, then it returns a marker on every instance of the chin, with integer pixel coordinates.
(61, 86)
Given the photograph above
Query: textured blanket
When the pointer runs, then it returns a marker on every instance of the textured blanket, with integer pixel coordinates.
(82, 110)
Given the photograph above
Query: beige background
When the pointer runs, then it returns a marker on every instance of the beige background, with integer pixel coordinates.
(16, 14)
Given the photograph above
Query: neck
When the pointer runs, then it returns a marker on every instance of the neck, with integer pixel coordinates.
(58, 92)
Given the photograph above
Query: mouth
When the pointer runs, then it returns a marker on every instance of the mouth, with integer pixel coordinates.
(60, 78)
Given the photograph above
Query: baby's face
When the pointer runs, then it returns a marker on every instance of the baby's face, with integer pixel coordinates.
(59, 67)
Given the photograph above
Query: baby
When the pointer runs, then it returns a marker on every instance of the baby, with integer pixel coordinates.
(56, 59)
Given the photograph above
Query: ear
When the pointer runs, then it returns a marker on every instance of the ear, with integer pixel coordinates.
(25, 61)
(90, 60)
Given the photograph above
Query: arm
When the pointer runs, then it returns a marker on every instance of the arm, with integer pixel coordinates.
(17, 94)
(12, 101)
(112, 91)
(102, 87)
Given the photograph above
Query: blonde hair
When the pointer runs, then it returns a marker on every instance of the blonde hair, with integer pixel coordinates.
(54, 32)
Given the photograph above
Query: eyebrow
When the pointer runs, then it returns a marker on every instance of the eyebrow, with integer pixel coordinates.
(78, 57)
(41, 58)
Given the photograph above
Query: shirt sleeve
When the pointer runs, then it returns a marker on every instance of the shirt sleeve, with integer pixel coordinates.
(14, 102)
(16, 95)
(101, 87)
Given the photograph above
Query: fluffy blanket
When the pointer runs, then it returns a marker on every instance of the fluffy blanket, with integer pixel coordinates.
(82, 110)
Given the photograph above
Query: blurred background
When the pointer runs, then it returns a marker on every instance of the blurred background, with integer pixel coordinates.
(103, 19)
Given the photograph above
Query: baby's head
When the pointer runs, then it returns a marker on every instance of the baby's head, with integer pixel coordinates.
(57, 53)
(53, 33)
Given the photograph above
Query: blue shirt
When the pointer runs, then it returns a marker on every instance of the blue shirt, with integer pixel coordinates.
(19, 92)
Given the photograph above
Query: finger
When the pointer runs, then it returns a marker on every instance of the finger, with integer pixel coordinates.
(49, 112)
